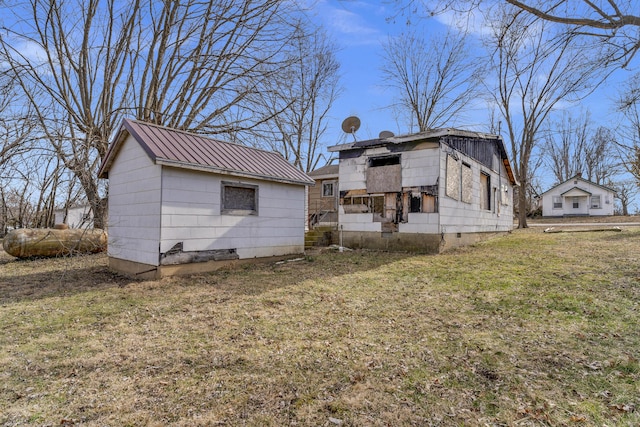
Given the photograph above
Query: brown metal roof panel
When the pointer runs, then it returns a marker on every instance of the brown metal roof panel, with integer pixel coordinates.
(182, 147)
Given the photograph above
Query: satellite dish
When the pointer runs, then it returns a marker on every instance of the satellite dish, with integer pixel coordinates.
(385, 134)
(350, 125)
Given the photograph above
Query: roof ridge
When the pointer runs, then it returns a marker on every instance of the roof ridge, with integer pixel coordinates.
(202, 136)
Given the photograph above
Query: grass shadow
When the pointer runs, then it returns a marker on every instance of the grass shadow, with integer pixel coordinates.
(257, 278)
(33, 279)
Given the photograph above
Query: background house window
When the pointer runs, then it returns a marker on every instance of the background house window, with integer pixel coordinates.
(239, 199)
(576, 203)
(328, 189)
(557, 202)
(595, 202)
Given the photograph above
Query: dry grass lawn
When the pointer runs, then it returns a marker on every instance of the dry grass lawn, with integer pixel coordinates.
(529, 329)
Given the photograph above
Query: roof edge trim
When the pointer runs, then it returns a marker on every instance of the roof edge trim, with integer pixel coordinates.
(212, 169)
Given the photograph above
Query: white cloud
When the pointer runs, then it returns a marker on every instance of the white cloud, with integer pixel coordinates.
(352, 23)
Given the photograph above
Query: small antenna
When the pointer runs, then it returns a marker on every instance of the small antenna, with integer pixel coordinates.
(385, 134)
(350, 125)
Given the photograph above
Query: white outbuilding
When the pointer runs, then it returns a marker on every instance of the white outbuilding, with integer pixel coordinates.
(183, 203)
(577, 197)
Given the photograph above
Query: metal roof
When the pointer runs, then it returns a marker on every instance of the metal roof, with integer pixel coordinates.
(325, 171)
(431, 135)
(172, 147)
(586, 181)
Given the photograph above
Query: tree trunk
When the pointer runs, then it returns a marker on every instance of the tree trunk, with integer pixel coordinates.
(522, 205)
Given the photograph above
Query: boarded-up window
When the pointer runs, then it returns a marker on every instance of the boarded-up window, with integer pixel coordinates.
(384, 174)
(485, 192)
(429, 203)
(504, 196)
(424, 201)
(453, 177)
(467, 183)
(239, 199)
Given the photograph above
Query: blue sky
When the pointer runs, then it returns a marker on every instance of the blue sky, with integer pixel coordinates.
(360, 27)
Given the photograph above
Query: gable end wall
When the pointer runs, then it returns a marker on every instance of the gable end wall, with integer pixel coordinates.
(134, 205)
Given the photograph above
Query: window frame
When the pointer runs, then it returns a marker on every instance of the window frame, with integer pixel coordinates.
(556, 204)
(485, 192)
(235, 211)
(333, 188)
(598, 205)
(466, 181)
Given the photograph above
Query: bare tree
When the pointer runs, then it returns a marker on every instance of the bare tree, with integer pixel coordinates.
(83, 64)
(435, 80)
(614, 21)
(628, 104)
(565, 144)
(299, 98)
(16, 124)
(625, 191)
(535, 69)
(600, 161)
(573, 148)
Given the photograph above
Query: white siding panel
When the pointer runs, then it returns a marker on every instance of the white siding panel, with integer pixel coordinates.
(420, 167)
(134, 205)
(191, 215)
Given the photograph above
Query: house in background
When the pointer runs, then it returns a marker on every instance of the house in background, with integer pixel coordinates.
(323, 197)
(183, 203)
(424, 192)
(75, 217)
(577, 197)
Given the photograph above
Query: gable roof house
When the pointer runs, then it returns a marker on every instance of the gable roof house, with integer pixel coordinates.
(323, 197)
(424, 192)
(180, 202)
(577, 197)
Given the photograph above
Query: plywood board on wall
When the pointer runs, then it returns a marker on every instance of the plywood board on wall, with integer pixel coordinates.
(384, 179)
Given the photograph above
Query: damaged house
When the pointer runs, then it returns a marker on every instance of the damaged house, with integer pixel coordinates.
(183, 203)
(424, 192)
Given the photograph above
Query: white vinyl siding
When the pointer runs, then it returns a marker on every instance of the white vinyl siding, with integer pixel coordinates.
(191, 214)
(134, 206)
